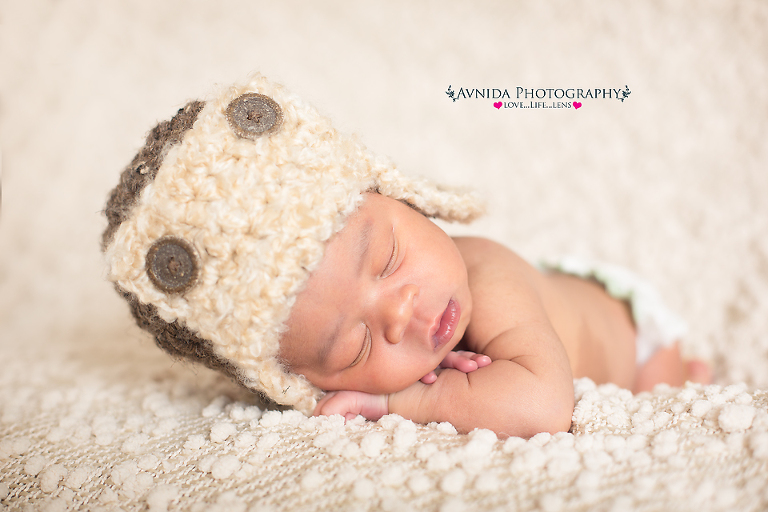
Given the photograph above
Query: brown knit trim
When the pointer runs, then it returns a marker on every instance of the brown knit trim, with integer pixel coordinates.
(143, 169)
(175, 338)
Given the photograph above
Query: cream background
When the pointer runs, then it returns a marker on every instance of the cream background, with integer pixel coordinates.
(671, 183)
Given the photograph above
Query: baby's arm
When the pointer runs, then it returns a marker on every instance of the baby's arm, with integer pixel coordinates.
(514, 396)
(351, 403)
(528, 387)
(517, 396)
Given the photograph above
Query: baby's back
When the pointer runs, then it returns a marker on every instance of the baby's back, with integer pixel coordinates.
(595, 329)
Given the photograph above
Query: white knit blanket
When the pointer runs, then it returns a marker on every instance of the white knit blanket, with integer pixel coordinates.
(167, 444)
(671, 183)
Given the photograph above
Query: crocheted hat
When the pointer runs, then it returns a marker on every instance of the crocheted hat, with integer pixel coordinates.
(221, 217)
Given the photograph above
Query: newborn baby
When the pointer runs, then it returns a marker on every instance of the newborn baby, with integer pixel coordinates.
(249, 235)
(394, 296)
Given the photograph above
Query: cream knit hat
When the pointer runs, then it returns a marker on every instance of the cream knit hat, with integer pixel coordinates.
(223, 214)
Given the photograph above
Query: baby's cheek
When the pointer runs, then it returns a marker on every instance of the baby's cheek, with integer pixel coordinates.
(385, 379)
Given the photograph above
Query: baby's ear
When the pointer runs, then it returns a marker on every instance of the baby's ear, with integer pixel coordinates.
(451, 204)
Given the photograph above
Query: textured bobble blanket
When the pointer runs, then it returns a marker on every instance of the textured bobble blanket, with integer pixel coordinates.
(167, 445)
(669, 182)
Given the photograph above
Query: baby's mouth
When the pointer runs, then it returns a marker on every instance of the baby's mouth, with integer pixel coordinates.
(447, 326)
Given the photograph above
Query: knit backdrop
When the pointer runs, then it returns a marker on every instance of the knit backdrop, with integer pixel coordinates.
(671, 182)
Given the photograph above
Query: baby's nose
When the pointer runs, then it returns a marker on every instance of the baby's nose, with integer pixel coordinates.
(399, 312)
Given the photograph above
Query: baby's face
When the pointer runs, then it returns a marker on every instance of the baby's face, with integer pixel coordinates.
(389, 300)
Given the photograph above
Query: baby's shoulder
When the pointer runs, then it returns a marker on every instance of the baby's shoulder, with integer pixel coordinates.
(506, 291)
(484, 255)
(498, 275)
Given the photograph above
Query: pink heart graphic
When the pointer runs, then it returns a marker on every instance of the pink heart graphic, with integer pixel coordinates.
(576, 104)
(498, 104)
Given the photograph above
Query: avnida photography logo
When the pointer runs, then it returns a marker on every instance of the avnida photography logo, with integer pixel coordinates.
(550, 97)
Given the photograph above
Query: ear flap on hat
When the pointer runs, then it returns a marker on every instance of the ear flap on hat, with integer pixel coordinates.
(451, 204)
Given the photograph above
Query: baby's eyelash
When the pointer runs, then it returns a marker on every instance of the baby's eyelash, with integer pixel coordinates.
(364, 349)
(392, 260)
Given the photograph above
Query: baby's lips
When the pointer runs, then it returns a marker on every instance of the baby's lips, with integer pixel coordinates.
(447, 326)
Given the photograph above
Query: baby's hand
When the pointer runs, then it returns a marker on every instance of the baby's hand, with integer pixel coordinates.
(462, 360)
(351, 403)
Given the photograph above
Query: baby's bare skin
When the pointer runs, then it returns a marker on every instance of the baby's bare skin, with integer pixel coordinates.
(525, 334)
(596, 329)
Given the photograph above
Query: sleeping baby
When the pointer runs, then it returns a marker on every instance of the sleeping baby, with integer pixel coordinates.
(249, 235)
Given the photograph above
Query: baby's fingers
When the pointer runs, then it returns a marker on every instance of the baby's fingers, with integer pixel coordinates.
(461, 360)
(321, 404)
(429, 378)
(465, 361)
(481, 360)
(351, 403)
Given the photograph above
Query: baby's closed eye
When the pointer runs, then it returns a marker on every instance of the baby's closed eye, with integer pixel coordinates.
(390, 267)
(365, 347)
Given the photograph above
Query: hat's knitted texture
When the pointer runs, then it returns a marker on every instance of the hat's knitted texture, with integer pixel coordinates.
(253, 213)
